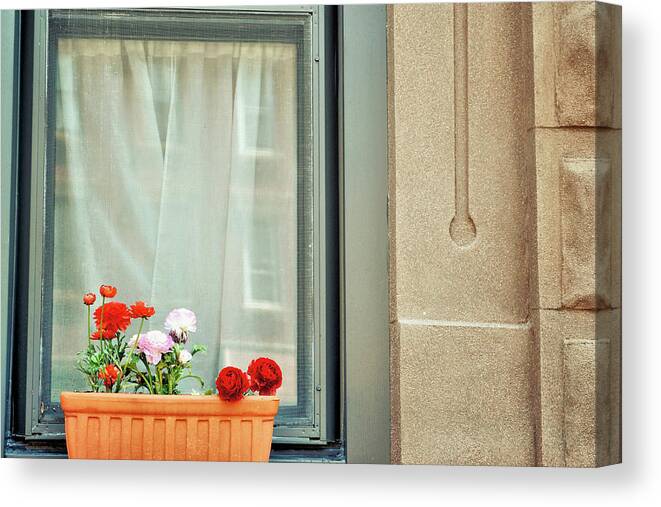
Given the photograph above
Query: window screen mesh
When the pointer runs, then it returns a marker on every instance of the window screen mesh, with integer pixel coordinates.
(180, 170)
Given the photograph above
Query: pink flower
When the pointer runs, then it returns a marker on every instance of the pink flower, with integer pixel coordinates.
(153, 344)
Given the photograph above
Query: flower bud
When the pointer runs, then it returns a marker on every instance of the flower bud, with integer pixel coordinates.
(89, 298)
(108, 291)
(184, 356)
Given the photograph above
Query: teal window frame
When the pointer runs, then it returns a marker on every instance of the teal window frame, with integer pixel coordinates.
(360, 431)
(9, 57)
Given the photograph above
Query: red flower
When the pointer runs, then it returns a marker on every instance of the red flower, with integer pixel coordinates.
(108, 291)
(116, 317)
(232, 383)
(109, 374)
(107, 334)
(89, 298)
(265, 376)
(139, 310)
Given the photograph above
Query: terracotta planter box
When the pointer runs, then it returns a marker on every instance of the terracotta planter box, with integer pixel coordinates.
(157, 427)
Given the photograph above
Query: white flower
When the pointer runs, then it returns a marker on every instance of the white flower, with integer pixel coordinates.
(184, 356)
(179, 323)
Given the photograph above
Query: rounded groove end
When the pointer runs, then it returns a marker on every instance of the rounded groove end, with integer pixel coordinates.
(463, 231)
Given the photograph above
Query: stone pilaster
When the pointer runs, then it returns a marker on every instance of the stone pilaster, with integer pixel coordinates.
(578, 219)
(461, 114)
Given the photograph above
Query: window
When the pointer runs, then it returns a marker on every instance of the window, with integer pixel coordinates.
(347, 347)
(181, 156)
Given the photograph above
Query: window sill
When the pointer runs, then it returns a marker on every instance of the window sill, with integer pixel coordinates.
(56, 449)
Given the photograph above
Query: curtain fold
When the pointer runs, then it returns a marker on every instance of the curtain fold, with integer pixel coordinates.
(175, 176)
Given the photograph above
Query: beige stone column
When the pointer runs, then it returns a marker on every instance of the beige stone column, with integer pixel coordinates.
(461, 115)
(504, 233)
(576, 308)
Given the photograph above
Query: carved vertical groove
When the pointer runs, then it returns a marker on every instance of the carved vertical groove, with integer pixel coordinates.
(462, 227)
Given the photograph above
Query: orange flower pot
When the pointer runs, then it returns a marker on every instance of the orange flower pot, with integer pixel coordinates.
(160, 427)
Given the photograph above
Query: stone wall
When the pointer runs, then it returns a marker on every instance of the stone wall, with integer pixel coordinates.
(504, 233)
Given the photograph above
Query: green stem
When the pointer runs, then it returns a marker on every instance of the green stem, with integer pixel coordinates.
(103, 303)
(149, 385)
(89, 325)
(146, 381)
(135, 345)
(103, 348)
(91, 382)
(117, 362)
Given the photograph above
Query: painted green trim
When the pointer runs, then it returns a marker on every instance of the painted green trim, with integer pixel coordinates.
(37, 196)
(363, 107)
(9, 52)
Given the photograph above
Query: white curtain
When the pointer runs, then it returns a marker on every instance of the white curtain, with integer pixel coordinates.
(175, 180)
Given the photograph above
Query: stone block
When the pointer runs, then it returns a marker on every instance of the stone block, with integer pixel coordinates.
(586, 402)
(585, 207)
(578, 263)
(579, 385)
(577, 64)
(438, 277)
(466, 395)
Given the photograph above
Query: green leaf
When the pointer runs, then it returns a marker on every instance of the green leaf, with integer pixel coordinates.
(198, 348)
